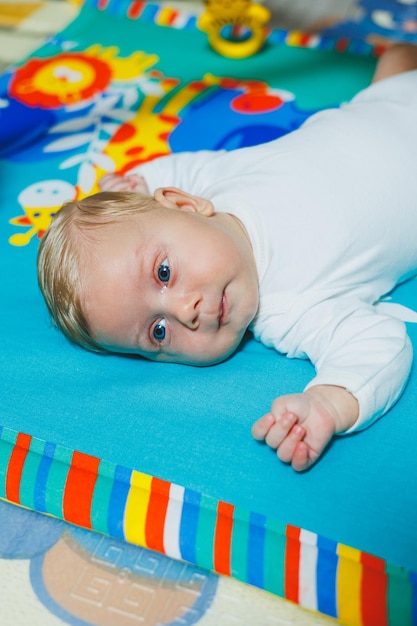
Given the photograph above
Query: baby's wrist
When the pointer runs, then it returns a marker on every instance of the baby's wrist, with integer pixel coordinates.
(338, 402)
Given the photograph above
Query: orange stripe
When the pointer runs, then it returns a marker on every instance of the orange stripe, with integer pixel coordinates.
(15, 467)
(155, 518)
(292, 563)
(79, 489)
(374, 591)
(135, 9)
(223, 538)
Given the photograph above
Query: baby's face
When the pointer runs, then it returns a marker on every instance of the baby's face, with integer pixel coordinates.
(171, 285)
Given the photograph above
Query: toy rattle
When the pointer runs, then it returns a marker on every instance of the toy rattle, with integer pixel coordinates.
(235, 28)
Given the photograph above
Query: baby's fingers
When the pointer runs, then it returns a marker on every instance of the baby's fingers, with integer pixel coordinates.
(274, 428)
(303, 457)
(261, 428)
(287, 450)
(281, 429)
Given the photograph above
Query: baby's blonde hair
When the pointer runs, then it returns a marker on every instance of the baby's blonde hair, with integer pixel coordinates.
(60, 256)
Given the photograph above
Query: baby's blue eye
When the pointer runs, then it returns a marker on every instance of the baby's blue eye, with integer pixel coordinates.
(164, 271)
(159, 330)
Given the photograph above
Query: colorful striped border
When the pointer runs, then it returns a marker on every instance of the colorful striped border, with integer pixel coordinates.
(166, 16)
(319, 574)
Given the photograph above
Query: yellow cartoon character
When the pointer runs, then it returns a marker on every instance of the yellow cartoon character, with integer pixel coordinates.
(235, 28)
(40, 202)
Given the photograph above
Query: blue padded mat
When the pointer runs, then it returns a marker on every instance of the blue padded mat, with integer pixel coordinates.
(186, 425)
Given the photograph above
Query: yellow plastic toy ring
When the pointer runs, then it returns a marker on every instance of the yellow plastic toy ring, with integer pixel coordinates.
(237, 49)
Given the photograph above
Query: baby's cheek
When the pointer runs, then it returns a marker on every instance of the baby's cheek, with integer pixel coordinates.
(227, 349)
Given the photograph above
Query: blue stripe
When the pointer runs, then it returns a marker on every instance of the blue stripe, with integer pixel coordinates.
(39, 497)
(256, 539)
(117, 7)
(189, 525)
(360, 47)
(191, 23)
(326, 576)
(277, 36)
(327, 43)
(149, 13)
(117, 502)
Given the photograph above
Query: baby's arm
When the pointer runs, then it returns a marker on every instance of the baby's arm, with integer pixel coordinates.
(299, 426)
(128, 182)
(353, 347)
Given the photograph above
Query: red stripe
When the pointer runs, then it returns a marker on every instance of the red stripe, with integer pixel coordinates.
(305, 39)
(15, 467)
(155, 517)
(223, 538)
(102, 4)
(292, 563)
(174, 18)
(342, 44)
(135, 9)
(79, 489)
(374, 591)
(379, 50)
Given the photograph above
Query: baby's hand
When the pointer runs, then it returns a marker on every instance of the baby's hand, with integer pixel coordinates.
(129, 182)
(299, 426)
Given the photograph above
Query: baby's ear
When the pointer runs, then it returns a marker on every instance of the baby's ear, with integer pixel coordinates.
(174, 198)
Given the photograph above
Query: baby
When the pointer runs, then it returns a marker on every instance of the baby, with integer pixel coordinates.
(296, 239)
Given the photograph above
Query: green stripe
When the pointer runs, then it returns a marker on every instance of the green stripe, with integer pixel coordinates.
(274, 566)
(101, 497)
(240, 539)
(57, 478)
(30, 472)
(205, 532)
(399, 596)
(7, 443)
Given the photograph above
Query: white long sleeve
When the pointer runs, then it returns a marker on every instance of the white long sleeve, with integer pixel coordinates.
(351, 345)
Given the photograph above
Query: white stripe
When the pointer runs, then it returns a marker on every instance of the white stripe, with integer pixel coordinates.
(173, 521)
(181, 20)
(314, 41)
(308, 568)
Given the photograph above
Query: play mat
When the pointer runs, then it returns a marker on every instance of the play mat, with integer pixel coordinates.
(161, 455)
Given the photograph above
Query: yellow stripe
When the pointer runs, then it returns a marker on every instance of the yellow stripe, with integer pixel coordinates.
(179, 101)
(137, 508)
(163, 17)
(348, 585)
(294, 38)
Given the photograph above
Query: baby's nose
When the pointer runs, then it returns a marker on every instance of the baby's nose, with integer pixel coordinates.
(186, 309)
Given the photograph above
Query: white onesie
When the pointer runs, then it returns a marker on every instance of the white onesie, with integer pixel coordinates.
(331, 211)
